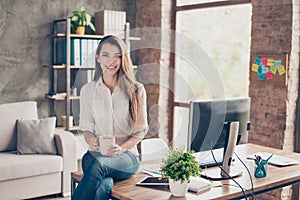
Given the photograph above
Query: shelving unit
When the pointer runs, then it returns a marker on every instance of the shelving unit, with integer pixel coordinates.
(62, 31)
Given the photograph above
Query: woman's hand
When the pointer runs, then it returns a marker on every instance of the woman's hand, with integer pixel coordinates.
(91, 140)
(93, 143)
(115, 150)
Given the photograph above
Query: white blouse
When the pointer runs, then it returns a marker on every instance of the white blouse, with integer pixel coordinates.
(103, 113)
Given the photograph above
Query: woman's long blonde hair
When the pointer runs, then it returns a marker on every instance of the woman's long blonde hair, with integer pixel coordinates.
(126, 78)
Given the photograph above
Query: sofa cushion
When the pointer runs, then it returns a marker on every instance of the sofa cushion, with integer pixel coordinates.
(9, 113)
(36, 136)
(16, 166)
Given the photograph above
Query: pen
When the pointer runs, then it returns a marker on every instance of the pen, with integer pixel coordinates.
(257, 158)
(269, 157)
(151, 172)
(154, 172)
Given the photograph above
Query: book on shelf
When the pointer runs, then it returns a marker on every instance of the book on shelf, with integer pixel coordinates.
(56, 95)
(90, 53)
(75, 52)
(95, 46)
(110, 22)
(84, 52)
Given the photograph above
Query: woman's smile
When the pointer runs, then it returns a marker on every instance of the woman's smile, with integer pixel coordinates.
(110, 67)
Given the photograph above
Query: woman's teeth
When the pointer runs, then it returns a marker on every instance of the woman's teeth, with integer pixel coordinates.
(110, 67)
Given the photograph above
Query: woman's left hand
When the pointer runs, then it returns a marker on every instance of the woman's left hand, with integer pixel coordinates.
(115, 150)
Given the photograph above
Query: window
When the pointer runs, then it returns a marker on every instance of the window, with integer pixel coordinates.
(190, 2)
(212, 47)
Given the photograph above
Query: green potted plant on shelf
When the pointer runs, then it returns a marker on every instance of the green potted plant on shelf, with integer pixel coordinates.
(80, 19)
(179, 167)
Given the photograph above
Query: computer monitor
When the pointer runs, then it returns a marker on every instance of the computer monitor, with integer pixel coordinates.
(208, 119)
(209, 123)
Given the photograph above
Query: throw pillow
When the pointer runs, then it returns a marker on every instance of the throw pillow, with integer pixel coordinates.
(36, 136)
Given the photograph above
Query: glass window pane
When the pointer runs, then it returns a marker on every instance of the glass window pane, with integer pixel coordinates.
(189, 81)
(224, 34)
(181, 118)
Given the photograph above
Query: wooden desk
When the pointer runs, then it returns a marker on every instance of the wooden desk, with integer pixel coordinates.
(277, 177)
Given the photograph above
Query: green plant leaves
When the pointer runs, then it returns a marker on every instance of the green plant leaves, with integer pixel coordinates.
(88, 18)
(74, 18)
(82, 17)
(180, 165)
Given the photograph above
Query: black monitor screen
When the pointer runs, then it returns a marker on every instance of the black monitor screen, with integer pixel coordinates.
(207, 122)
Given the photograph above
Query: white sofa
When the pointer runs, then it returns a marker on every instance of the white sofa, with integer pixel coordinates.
(34, 175)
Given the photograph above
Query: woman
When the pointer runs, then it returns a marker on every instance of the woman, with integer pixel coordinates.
(113, 104)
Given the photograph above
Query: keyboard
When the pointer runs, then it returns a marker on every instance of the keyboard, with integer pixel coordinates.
(210, 162)
(205, 158)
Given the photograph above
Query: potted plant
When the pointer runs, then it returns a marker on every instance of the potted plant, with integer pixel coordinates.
(178, 167)
(80, 19)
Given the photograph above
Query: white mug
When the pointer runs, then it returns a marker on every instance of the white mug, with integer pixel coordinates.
(105, 143)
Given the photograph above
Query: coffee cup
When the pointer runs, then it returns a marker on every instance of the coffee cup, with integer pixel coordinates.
(105, 143)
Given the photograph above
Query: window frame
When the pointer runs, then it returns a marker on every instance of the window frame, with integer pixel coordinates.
(176, 9)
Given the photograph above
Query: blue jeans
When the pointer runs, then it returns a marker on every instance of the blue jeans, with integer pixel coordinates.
(100, 172)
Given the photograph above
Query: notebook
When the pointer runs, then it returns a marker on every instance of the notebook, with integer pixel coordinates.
(198, 184)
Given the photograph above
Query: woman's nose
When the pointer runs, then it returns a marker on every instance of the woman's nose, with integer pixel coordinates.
(113, 61)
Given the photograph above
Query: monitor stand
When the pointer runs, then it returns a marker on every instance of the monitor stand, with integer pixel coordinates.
(217, 173)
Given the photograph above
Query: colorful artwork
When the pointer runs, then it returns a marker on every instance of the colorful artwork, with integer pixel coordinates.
(269, 75)
(266, 68)
(273, 69)
(281, 70)
(255, 67)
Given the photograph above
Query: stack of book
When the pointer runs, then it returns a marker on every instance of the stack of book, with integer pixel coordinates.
(110, 22)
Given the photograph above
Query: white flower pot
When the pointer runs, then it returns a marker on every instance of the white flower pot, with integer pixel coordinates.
(177, 188)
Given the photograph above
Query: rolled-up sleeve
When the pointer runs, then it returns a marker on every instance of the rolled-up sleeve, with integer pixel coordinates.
(86, 119)
(144, 122)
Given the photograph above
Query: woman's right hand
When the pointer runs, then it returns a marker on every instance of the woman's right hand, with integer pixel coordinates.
(91, 140)
(93, 143)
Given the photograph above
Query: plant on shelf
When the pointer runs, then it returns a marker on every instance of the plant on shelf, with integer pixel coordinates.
(178, 167)
(80, 19)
